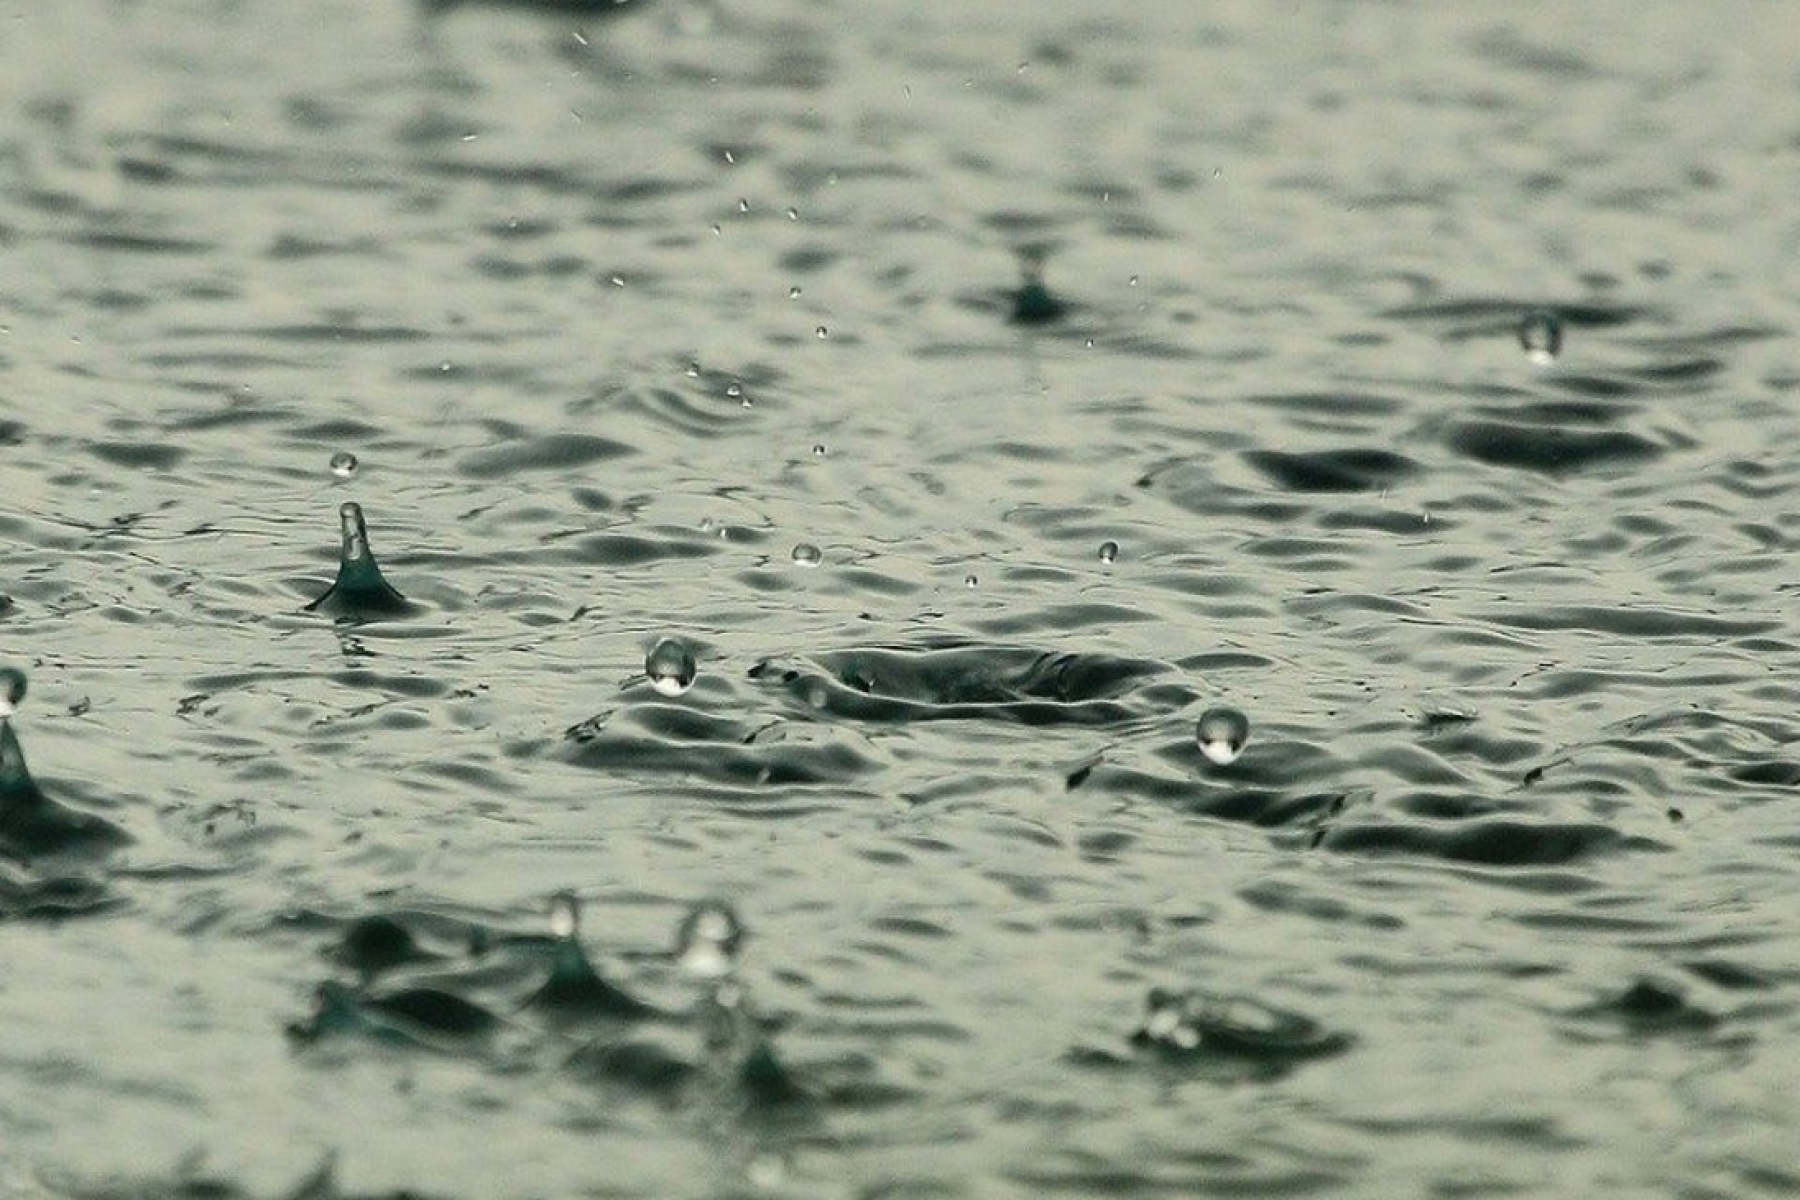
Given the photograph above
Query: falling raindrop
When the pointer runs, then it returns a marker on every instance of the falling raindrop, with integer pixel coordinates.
(709, 939)
(743, 205)
(818, 449)
(793, 214)
(1109, 551)
(970, 581)
(1221, 734)
(343, 464)
(794, 292)
(670, 667)
(1540, 334)
(807, 555)
(821, 331)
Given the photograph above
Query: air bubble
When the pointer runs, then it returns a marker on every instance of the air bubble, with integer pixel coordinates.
(1540, 335)
(670, 667)
(343, 464)
(1221, 733)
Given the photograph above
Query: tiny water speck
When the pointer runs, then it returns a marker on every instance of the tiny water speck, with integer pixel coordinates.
(670, 667)
(1109, 551)
(1540, 334)
(1221, 733)
(807, 555)
(818, 449)
(343, 464)
(821, 331)
(970, 581)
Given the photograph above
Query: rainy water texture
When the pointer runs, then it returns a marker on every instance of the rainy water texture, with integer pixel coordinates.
(1283, 683)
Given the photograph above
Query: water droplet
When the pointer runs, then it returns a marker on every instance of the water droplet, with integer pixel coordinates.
(12, 691)
(693, 370)
(1166, 1021)
(794, 292)
(1222, 733)
(793, 214)
(670, 667)
(343, 464)
(818, 449)
(616, 280)
(970, 581)
(734, 390)
(353, 532)
(821, 331)
(1540, 334)
(709, 939)
(565, 914)
(1133, 282)
(1109, 551)
(717, 232)
(743, 205)
(807, 555)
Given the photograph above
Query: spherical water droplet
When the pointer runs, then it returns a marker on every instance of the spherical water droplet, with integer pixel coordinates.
(821, 331)
(793, 214)
(1540, 333)
(670, 667)
(733, 390)
(12, 691)
(807, 555)
(794, 292)
(565, 914)
(709, 939)
(970, 581)
(1109, 551)
(743, 205)
(1222, 733)
(343, 464)
(818, 449)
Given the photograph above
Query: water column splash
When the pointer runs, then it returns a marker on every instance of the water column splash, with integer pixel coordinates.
(32, 825)
(575, 990)
(1033, 303)
(738, 1050)
(360, 590)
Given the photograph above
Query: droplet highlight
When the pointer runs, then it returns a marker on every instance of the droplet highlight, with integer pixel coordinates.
(1222, 734)
(709, 939)
(670, 667)
(1109, 552)
(343, 464)
(1540, 335)
(807, 555)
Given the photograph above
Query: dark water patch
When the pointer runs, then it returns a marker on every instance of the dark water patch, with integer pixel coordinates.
(1630, 622)
(1222, 1039)
(27, 895)
(1348, 470)
(1548, 449)
(551, 452)
(637, 550)
(959, 681)
(1484, 842)
(1645, 1008)
(419, 1018)
(1461, 319)
(138, 456)
(688, 412)
(139, 243)
(33, 826)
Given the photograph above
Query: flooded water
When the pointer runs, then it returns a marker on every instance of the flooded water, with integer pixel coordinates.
(930, 601)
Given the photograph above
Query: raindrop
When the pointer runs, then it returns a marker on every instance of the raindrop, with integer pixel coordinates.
(565, 914)
(693, 370)
(616, 280)
(794, 292)
(1222, 733)
(343, 464)
(1109, 551)
(743, 205)
(734, 391)
(970, 581)
(821, 331)
(807, 555)
(12, 691)
(670, 667)
(1540, 334)
(818, 449)
(717, 232)
(709, 939)
(793, 214)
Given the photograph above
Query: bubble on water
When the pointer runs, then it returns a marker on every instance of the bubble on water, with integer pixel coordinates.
(343, 464)
(670, 667)
(709, 939)
(12, 691)
(565, 914)
(1109, 551)
(807, 555)
(1540, 334)
(1221, 734)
